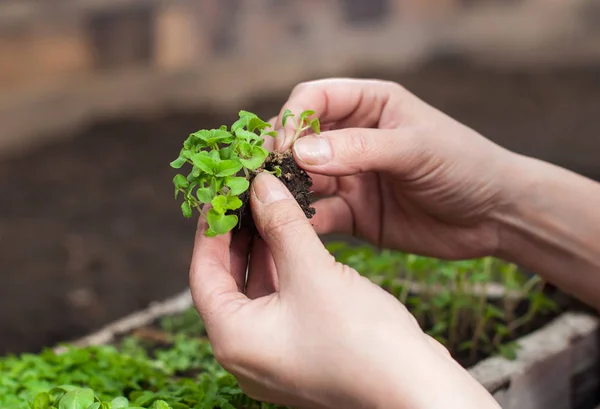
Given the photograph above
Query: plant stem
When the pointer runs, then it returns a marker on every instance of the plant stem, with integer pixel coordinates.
(480, 315)
(408, 280)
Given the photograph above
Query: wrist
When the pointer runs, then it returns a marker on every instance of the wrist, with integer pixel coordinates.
(435, 380)
(549, 224)
(518, 180)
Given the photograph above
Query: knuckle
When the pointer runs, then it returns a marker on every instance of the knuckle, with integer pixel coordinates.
(396, 88)
(357, 144)
(300, 87)
(283, 218)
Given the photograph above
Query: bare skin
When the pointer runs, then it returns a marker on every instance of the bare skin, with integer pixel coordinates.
(305, 331)
(406, 176)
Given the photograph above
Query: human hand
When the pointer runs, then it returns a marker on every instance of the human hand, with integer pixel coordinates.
(306, 331)
(398, 172)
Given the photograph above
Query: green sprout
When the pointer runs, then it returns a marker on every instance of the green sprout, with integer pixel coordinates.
(471, 307)
(223, 163)
(303, 124)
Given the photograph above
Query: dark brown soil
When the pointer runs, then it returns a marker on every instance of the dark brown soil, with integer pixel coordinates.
(295, 179)
(90, 231)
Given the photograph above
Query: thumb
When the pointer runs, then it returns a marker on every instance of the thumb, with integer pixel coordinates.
(357, 150)
(294, 244)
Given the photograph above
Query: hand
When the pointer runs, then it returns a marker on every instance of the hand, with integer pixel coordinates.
(397, 172)
(310, 332)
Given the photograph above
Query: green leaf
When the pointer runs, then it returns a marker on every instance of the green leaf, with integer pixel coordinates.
(226, 152)
(204, 162)
(509, 351)
(223, 203)
(246, 135)
(42, 401)
(257, 124)
(245, 149)
(239, 124)
(77, 399)
(180, 182)
(205, 195)
(286, 114)
(233, 203)
(219, 136)
(219, 204)
(245, 116)
(202, 135)
(228, 167)
(120, 403)
(178, 163)
(189, 142)
(306, 114)
(160, 404)
(186, 209)
(259, 154)
(238, 185)
(220, 223)
(271, 133)
(277, 170)
(316, 126)
(97, 405)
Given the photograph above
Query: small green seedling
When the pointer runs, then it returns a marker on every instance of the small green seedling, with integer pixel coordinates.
(303, 124)
(223, 163)
(450, 300)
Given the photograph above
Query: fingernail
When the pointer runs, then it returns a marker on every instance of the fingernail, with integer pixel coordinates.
(313, 150)
(268, 189)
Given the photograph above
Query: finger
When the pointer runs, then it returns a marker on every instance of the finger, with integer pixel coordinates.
(358, 150)
(346, 102)
(323, 185)
(294, 244)
(212, 284)
(238, 255)
(269, 143)
(333, 215)
(262, 274)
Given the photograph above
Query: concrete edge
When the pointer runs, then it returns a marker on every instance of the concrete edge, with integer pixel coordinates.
(495, 372)
(110, 332)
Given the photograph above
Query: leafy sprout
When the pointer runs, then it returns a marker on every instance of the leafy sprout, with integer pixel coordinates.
(472, 307)
(222, 163)
(303, 123)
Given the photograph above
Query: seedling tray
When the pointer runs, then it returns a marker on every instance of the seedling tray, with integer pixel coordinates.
(557, 366)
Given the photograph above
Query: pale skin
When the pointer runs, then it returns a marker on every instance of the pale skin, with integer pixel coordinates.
(308, 332)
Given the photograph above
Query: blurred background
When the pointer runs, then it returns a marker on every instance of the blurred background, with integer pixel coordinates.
(96, 97)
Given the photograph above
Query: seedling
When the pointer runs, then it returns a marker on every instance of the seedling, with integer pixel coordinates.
(453, 301)
(224, 162)
(304, 122)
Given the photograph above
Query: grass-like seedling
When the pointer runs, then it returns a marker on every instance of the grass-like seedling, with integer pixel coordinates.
(134, 375)
(475, 308)
(170, 364)
(223, 163)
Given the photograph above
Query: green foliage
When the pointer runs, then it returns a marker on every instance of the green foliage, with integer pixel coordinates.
(216, 157)
(453, 301)
(449, 301)
(303, 123)
(182, 376)
(222, 161)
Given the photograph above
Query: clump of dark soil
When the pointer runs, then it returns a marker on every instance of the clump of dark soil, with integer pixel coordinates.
(293, 177)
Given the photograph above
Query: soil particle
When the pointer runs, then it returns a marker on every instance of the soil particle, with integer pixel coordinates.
(293, 177)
